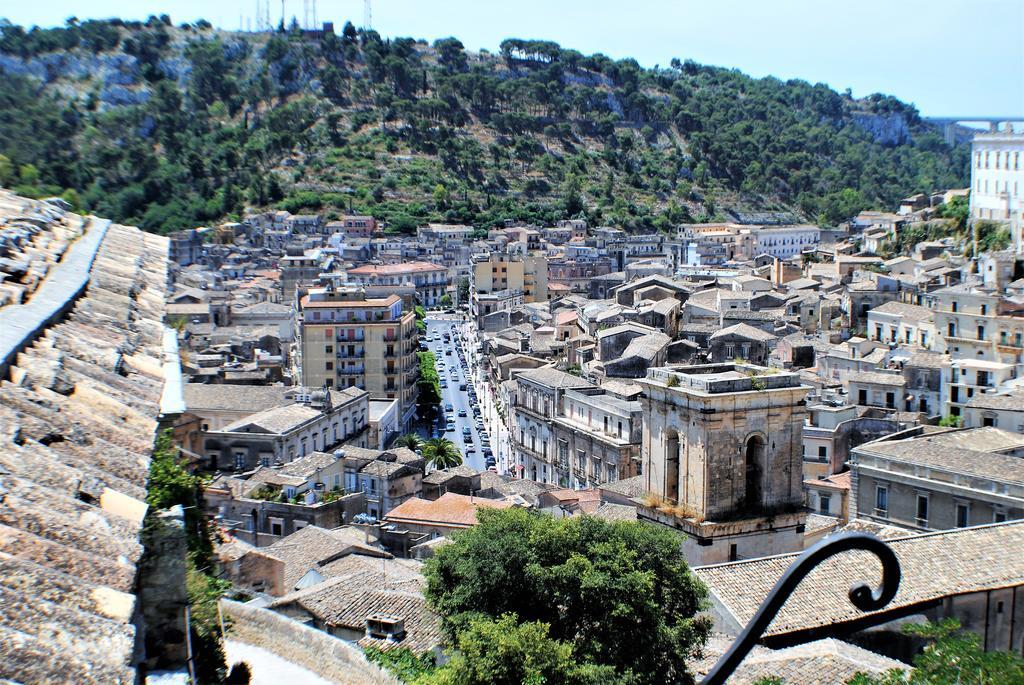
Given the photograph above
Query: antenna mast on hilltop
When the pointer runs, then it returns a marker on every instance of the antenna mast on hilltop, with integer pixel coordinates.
(367, 15)
(309, 15)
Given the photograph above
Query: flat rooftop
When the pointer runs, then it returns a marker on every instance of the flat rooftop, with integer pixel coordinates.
(713, 379)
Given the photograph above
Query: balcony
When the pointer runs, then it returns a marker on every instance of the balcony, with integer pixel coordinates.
(344, 354)
(351, 370)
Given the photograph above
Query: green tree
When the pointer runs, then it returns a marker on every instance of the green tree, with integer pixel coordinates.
(70, 195)
(28, 174)
(952, 657)
(504, 651)
(429, 383)
(410, 440)
(402, 662)
(440, 196)
(441, 453)
(572, 200)
(446, 300)
(6, 171)
(620, 593)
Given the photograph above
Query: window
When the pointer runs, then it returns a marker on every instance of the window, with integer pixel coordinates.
(328, 349)
(329, 366)
(277, 526)
(984, 307)
(922, 510)
(824, 504)
(882, 500)
(733, 554)
(862, 396)
(953, 306)
(962, 511)
(998, 516)
(239, 460)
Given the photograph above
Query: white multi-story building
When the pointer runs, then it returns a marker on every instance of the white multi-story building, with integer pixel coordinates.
(786, 241)
(997, 180)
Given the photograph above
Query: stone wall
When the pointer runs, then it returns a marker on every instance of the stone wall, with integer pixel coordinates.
(327, 656)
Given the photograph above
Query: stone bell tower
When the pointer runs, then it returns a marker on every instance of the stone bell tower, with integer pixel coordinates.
(722, 455)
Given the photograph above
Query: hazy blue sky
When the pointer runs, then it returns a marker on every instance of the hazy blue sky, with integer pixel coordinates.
(948, 57)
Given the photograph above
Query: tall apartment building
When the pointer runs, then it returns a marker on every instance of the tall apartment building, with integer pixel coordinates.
(348, 340)
(997, 180)
(722, 459)
(500, 271)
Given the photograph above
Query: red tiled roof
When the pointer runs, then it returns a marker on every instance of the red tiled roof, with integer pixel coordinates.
(448, 510)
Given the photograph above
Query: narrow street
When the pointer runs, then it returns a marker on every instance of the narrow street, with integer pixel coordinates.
(454, 372)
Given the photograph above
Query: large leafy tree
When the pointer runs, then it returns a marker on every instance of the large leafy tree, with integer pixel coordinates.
(441, 453)
(620, 593)
(504, 651)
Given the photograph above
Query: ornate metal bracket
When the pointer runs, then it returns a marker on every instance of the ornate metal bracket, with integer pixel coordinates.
(861, 595)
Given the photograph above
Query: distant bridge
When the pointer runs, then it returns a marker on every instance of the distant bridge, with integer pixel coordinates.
(949, 124)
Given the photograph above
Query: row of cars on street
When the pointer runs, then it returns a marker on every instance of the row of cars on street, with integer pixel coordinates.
(458, 374)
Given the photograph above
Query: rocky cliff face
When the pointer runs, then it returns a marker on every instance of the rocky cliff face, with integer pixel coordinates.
(886, 129)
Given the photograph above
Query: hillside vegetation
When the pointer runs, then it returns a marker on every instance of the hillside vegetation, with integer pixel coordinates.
(175, 126)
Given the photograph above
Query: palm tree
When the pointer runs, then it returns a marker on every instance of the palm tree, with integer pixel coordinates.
(441, 453)
(410, 440)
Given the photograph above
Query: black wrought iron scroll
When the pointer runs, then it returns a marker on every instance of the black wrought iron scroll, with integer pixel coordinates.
(861, 595)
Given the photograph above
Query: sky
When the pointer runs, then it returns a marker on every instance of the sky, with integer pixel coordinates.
(948, 57)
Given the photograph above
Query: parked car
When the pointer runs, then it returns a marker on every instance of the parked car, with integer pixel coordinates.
(462, 412)
(448, 406)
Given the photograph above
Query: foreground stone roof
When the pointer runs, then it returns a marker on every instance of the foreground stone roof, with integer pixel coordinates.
(814, 663)
(77, 422)
(934, 566)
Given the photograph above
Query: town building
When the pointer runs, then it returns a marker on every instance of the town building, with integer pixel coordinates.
(997, 180)
(597, 439)
(928, 479)
(302, 267)
(977, 323)
(353, 226)
(498, 271)
(316, 421)
(416, 282)
(722, 458)
(348, 340)
(996, 408)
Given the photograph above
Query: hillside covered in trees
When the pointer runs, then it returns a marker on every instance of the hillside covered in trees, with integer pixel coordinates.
(171, 127)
